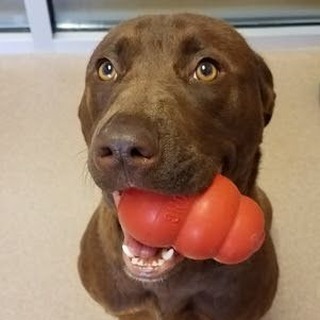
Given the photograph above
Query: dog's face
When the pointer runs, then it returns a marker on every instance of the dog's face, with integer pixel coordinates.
(169, 102)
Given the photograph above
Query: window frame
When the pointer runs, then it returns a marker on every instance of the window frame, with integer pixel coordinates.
(42, 38)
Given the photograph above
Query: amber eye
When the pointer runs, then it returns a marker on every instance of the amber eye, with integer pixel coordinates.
(107, 71)
(206, 71)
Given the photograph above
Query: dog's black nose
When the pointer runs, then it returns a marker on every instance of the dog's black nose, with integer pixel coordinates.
(125, 142)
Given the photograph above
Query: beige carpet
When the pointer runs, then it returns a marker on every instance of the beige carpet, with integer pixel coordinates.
(46, 196)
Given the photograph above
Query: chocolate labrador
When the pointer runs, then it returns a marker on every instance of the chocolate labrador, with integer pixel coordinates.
(170, 101)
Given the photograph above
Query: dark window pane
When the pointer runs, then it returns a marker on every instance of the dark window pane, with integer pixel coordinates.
(101, 14)
(13, 16)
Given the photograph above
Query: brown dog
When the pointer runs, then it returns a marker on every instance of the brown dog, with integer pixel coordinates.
(170, 101)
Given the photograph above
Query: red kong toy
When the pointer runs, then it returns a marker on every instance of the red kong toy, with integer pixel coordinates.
(220, 224)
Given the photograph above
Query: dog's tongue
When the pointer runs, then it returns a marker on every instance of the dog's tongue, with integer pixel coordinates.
(138, 249)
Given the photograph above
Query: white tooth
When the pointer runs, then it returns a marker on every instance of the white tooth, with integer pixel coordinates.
(134, 260)
(140, 263)
(127, 251)
(167, 254)
(116, 198)
(160, 262)
(154, 263)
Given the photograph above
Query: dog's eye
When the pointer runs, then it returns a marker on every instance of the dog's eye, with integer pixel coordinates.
(107, 71)
(206, 71)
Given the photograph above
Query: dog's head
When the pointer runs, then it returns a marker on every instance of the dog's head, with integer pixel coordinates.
(170, 101)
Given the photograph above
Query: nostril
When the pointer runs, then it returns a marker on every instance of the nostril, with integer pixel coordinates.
(105, 152)
(116, 150)
(137, 152)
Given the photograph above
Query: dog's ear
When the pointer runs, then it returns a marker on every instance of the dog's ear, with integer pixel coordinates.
(86, 116)
(267, 93)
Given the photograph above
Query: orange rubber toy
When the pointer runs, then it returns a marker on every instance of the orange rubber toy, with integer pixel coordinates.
(219, 224)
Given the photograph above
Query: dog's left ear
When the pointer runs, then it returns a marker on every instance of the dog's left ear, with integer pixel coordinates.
(267, 93)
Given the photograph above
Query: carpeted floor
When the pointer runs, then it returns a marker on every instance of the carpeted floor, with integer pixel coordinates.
(47, 197)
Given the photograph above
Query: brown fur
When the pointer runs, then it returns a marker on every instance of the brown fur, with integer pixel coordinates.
(199, 128)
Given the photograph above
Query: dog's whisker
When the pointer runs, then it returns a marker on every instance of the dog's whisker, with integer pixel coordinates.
(81, 152)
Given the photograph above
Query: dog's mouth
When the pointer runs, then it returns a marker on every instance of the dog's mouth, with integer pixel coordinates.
(145, 263)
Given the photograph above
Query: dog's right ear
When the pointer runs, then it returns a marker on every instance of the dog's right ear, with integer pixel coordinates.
(86, 116)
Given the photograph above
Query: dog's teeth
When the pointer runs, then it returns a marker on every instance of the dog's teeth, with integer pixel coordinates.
(160, 262)
(167, 254)
(127, 251)
(140, 263)
(147, 264)
(157, 263)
